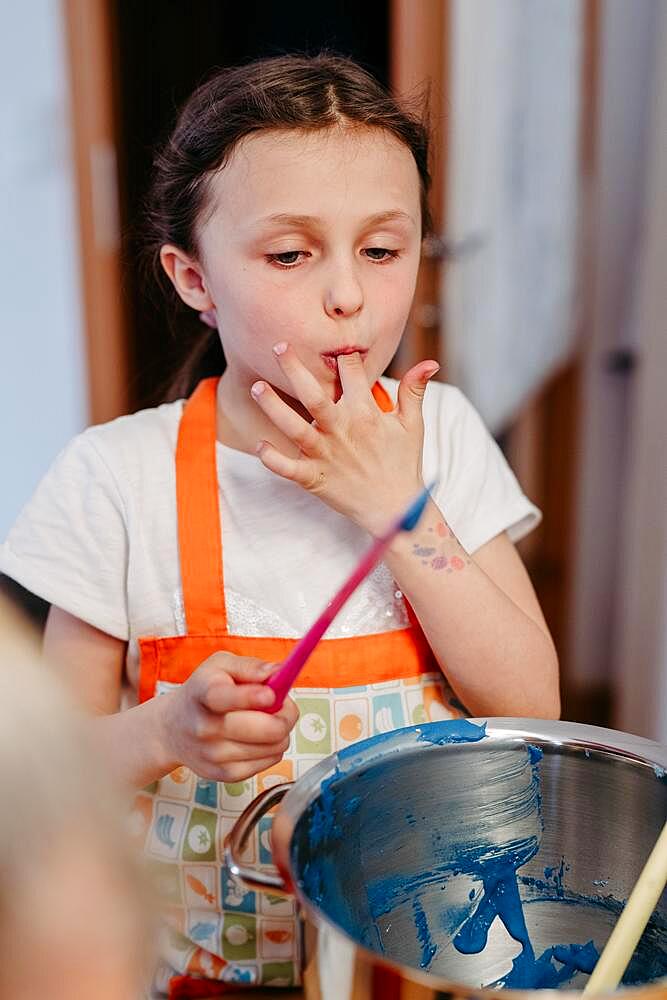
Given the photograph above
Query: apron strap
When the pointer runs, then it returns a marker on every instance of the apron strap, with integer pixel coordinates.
(199, 532)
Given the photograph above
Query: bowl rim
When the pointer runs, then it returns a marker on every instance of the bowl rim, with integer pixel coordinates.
(547, 734)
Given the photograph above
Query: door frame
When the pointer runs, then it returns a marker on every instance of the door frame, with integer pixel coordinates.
(89, 33)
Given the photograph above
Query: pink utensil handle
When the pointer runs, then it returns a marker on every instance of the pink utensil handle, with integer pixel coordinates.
(283, 679)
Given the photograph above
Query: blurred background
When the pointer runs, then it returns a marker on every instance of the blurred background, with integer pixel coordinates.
(542, 293)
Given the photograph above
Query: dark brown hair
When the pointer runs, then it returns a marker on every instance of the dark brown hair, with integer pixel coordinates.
(286, 92)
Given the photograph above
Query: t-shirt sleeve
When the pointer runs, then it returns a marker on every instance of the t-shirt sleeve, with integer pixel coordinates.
(477, 492)
(69, 543)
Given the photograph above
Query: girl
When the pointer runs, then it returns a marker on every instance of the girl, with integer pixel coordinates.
(288, 209)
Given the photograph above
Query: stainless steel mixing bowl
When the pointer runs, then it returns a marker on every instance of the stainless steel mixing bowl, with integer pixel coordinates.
(386, 844)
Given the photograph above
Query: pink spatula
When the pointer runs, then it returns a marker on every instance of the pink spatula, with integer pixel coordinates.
(283, 679)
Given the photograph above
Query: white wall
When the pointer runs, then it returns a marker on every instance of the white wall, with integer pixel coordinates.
(42, 368)
(512, 170)
(640, 633)
(626, 96)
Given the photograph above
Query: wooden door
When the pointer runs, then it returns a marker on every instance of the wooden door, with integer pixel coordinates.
(418, 59)
(89, 34)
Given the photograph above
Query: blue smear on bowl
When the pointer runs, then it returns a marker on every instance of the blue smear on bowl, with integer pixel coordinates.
(493, 866)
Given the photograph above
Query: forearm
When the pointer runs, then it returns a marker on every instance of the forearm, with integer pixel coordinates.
(497, 659)
(134, 744)
(90, 663)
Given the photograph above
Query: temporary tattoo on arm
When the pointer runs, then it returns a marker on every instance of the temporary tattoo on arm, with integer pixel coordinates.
(439, 556)
(421, 550)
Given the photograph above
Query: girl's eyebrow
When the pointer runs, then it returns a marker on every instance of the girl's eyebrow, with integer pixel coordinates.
(313, 222)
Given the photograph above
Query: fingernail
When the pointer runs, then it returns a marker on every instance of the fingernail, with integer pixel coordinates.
(257, 389)
(430, 372)
(280, 348)
(258, 447)
(265, 697)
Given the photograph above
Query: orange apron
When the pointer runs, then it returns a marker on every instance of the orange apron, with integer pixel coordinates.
(220, 936)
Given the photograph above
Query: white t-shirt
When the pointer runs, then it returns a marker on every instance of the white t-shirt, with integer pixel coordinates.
(99, 536)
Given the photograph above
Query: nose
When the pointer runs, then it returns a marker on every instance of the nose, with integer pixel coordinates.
(343, 292)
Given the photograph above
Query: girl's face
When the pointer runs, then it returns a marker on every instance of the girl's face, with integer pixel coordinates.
(312, 238)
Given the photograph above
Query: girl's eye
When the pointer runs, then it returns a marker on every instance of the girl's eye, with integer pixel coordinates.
(381, 254)
(286, 259)
(289, 259)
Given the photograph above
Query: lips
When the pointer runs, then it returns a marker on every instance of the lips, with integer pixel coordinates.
(330, 358)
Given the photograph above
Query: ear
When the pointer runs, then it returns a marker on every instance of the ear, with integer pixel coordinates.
(186, 276)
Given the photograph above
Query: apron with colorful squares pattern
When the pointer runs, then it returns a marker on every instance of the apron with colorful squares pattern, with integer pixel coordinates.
(220, 936)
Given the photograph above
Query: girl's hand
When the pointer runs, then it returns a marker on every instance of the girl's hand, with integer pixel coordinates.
(213, 724)
(360, 461)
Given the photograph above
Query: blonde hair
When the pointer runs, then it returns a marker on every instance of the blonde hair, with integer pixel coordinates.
(53, 789)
